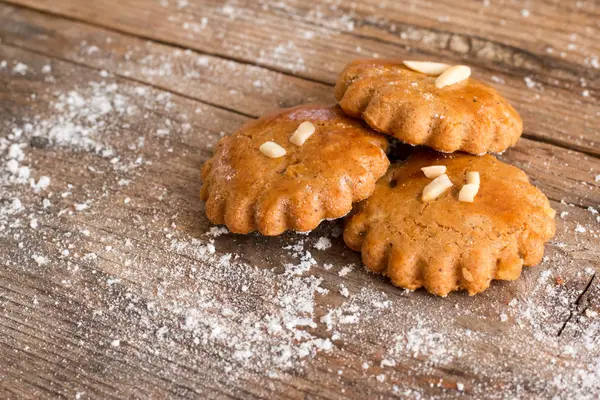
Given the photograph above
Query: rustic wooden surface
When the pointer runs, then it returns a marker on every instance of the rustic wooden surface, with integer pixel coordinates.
(114, 288)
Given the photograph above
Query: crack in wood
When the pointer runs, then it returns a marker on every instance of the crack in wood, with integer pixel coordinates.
(579, 306)
(562, 144)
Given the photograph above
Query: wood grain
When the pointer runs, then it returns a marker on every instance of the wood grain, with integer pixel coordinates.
(317, 42)
(58, 321)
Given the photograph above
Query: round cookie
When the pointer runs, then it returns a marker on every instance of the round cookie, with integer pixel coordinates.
(336, 166)
(445, 244)
(468, 116)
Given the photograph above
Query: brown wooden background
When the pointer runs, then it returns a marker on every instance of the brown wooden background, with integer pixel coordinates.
(108, 319)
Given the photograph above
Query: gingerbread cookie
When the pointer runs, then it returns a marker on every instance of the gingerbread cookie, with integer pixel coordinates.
(448, 113)
(472, 220)
(291, 170)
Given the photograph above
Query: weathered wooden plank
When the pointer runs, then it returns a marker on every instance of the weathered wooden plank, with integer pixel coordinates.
(556, 96)
(245, 88)
(147, 271)
(545, 30)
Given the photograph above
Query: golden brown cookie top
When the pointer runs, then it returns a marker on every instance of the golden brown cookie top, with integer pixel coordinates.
(468, 116)
(446, 244)
(337, 165)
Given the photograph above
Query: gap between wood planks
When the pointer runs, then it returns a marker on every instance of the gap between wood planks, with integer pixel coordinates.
(128, 78)
(568, 67)
(159, 41)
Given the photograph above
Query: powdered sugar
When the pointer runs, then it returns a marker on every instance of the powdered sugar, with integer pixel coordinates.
(268, 339)
(173, 287)
(323, 243)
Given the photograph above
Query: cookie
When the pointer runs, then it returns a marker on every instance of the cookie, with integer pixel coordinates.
(291, 170)
(467, 116)
(444, 244)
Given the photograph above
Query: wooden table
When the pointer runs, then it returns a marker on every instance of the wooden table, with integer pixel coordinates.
(114, 285)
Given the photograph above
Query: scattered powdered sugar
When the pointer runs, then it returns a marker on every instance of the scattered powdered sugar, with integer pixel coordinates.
(285, 54)
(79, 120)
(20, 69)
(90, 116)
(41, 184)
(216, 231)
(345, 270)
(531, 84)
(269, 339)
(423, 341)
(85, 118)
(323, 243)
(193, 296)
(40, 260)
